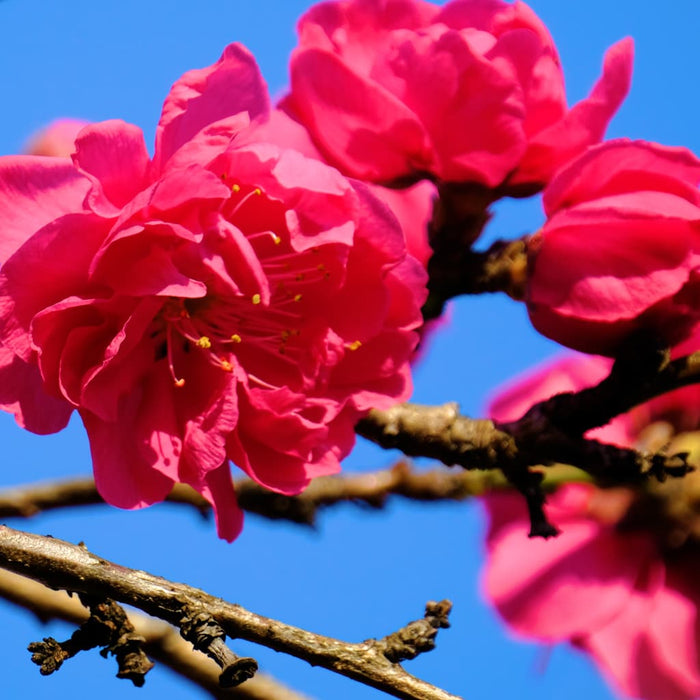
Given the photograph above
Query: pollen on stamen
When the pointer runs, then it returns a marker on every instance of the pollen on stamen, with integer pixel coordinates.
(235, 188)
(179, 383)
(297, 297)
(226, 366)
(256, 299)
(235, 338)
(257, 191)
(204, 342)
(355, 345)
(276, 239)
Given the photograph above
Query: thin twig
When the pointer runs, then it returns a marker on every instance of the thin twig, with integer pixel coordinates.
(163, 642)
(62, 565)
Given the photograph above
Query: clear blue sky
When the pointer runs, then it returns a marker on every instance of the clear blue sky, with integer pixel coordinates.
(361, 573)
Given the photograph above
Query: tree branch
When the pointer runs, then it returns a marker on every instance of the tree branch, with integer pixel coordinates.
(59, 564)
(162, 641)
(370, 489)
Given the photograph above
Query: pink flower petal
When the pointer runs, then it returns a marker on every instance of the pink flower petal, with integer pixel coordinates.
(584, 124)
(35, 191)
(22, 394)
(114, 153)
(203, 96)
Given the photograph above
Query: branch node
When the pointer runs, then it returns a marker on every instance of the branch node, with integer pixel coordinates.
(206, 635)
(417, 636)
(107, 627)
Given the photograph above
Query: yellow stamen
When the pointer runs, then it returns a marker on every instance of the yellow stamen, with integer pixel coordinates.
(179, 383)
(277, 240)
(235, 188)
(257, 191)
(256, 299)
(226, 366)
(204, 342)
(297, 297)
(354, 345)
(236, 338)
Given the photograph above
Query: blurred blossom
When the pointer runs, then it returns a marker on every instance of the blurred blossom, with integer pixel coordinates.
(620, 581)
(56, 139)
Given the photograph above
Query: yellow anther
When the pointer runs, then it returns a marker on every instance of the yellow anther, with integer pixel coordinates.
(297, 297)
(236, 338)
(235, 188)
(354, 345)
(226, 366)
(256, 299)
(204, 342)
(257, 191)
(277, 240)
(179, 383)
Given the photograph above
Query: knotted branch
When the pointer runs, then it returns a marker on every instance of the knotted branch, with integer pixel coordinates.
(162, 641)
(61, 565)
(107, 627)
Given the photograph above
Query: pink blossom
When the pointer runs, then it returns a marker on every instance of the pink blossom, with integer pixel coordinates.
(618, 253)
(611, 590)
(469, 92)
(412, 205)
(227, 299)
(620, 582)
(57, 139)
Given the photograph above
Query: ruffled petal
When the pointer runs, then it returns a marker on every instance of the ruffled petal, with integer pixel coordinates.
(204, 96)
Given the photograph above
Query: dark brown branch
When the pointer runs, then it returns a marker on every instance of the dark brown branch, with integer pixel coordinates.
(501, 268)
(439, 432)
(162, 641)
(640, 374)
(61, 565)
(442, 433)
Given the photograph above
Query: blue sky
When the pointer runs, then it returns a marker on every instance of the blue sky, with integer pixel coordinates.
(361, 573)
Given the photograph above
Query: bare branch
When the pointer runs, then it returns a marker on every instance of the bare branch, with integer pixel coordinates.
(162, 641)
(62, 565)
(371, 489)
